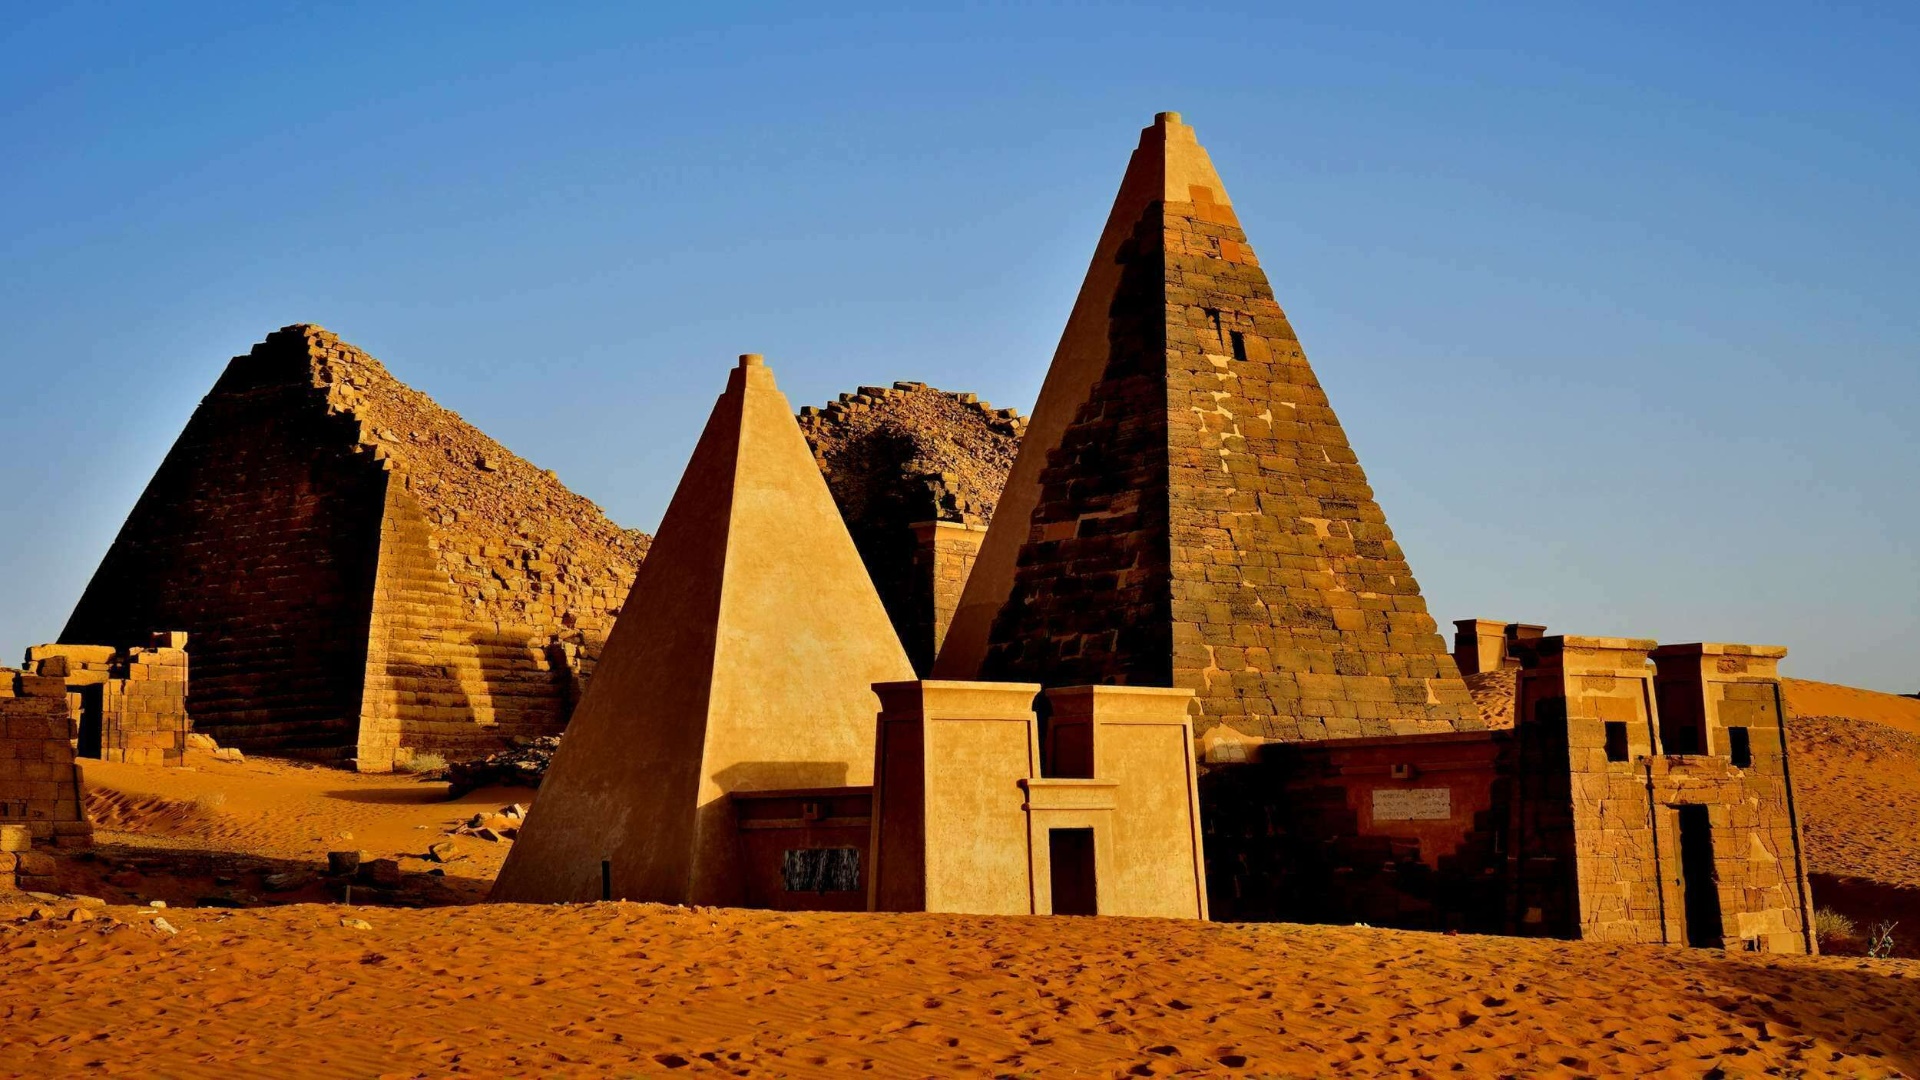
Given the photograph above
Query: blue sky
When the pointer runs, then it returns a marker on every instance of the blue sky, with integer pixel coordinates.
(1616, 301)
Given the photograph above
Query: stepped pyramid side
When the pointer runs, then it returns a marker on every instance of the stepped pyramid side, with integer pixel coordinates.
(362, 574)
(744, 661)
(1201, 520)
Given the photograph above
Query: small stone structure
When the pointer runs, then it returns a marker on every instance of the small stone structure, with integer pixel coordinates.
(1657, 802)
(975, 813)
(123, 704)
(364, 575)
(916, 472)
(40, 787)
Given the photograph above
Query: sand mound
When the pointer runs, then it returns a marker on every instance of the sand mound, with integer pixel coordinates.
(153, 815)
(176, 833)
(1858, 786)
(1828, 699)
(626, 988)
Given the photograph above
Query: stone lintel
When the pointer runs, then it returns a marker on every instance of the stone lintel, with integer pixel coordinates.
(1717, 648)
(953, 699)
(1119, 704)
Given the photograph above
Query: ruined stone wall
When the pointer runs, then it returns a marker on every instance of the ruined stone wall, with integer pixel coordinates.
(896, 458)
(39, 785)
(1601, 857)
(123, 705)
(362, 572)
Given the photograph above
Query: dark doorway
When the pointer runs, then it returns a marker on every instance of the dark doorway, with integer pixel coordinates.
(1070, 851)
(1699, 882)
(90, 719)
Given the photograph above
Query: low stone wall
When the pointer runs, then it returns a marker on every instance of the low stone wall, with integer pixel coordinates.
(39, 784)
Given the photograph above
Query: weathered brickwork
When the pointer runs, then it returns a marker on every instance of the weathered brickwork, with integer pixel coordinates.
(1621, 840)
(898, 459)
(123, 705)
(363, 574)
(1203, 522)
(943, 555)
(1402, 831)
(39, 785)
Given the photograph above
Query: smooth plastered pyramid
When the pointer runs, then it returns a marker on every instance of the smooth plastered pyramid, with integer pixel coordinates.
(1186, 510)
(743, 660)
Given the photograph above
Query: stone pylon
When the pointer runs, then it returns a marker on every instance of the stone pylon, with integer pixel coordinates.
(1185, 509)
(743, 660)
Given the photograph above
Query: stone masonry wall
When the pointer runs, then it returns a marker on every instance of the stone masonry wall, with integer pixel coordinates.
(1599, 854)
(1205, 523)
(126, 705)
(39, 785)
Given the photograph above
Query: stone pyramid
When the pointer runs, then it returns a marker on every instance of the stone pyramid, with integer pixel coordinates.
(361, 573)
(1186, 510)
(743, 660)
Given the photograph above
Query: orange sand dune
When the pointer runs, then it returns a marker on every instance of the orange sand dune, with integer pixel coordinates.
(1858, 786)
(281, 813)
(1809, 698)
(629, 989)
(1856, 768)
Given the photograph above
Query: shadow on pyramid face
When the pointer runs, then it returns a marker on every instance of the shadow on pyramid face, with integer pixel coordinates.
(749, 776)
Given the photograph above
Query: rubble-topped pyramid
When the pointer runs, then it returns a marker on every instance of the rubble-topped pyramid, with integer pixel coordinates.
(901, 456)
(362, 573)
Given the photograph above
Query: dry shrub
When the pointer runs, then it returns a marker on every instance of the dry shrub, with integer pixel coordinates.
(425, 764)
(1834, 930)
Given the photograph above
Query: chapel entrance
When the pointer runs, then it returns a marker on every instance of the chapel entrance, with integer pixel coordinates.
(1070, 857)
(1700, 883)
(91, 717)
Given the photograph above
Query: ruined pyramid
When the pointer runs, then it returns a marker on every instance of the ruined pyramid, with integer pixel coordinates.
(744, 661)
(361, 573)
(1186, 510)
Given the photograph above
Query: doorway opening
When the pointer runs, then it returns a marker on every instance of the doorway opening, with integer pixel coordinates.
(1700, 884)
(91, 717)
(1070, 855)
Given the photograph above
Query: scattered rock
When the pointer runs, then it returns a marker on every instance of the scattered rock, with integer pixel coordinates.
(381, 871)
(341, 863)
(164, 927)
(522, 766)
(444, 851)
(356, 924)
(290, 880)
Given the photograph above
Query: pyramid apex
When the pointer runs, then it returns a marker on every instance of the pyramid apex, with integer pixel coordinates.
(1166, 118)
(752, 359)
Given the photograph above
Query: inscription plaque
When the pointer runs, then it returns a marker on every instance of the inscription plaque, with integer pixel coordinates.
(1412, 804)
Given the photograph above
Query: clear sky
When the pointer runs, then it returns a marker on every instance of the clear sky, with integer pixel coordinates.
(1617, 301)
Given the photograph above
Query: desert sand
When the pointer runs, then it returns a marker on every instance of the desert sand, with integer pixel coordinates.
(1808, 698)
(629, 989)
(1856, 767)
(278, 981)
